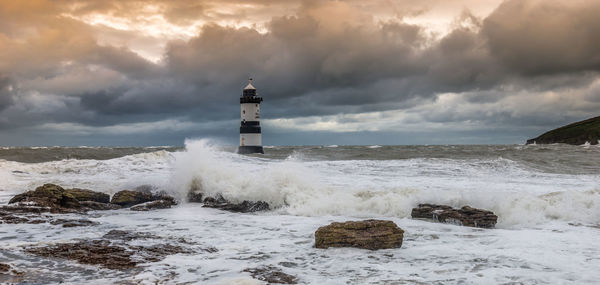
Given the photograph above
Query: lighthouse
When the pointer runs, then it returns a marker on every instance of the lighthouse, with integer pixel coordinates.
(250, 135)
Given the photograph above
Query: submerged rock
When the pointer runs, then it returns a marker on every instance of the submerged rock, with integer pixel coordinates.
(271, 275)
(73, 223)
(465, 216)
(9, 217)
(88, 195)
(243, 207)
(127, 235)
(9, 274)
(47, 198)
(128, 198)
(153, 205)
(107, 254)
(368, 234)
(91, 205)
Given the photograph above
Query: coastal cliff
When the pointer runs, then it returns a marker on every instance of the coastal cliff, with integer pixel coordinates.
(576, 133)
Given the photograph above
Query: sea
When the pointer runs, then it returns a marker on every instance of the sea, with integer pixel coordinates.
(547, 198)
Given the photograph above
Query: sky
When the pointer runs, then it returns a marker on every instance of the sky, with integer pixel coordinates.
(395, 72)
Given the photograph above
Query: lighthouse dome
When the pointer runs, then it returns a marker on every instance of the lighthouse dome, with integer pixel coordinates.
(249, 90)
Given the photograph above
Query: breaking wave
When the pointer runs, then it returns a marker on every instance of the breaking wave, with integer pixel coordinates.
(520, 196)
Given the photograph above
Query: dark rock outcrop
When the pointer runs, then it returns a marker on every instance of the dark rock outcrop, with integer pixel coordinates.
(465, 216)
(368, 234)
(153, 205)
(106, 254)
(194, 197)
(9, 217)
(128, 198)
(271, 275)
(91, 205)
(244, 207)
(127, 235)
(576, 134)
(88, 195)
(66, 223)
(47, 198)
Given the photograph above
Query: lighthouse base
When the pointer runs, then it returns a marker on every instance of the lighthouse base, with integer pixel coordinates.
(248, 149)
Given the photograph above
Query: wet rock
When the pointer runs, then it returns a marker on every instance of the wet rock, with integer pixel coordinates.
(107, 254)
(128, 198)
(73, 223)
(244, 207)
(91, 205)
(271, 275)
(11, 218)
(88, 195)
(128, 236)
(9, 274)
(24, 208)
(193, 197)
(368, 234)
(98, 252)
(465, 216)
(158, 204)
(47, 198)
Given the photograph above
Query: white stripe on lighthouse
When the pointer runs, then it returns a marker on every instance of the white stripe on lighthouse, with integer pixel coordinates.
(250, 140)
(250, 112)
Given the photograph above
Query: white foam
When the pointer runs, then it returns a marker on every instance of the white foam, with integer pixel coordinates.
(388, 188)
(547, 229)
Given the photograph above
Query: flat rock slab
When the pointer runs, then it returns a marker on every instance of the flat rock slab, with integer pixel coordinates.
(106, 253)
(465, 216)
(368, 234)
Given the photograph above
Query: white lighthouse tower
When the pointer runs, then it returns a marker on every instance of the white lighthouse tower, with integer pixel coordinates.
(250, 135)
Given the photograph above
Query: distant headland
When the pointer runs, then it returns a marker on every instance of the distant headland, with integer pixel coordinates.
(576, 133)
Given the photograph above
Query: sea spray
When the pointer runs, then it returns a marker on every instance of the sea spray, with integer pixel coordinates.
(376, 188)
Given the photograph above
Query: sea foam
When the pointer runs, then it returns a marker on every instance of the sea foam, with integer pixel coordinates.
(519, 196)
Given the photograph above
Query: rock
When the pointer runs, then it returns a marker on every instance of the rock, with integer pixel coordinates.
(368, 234)
(73, 223)
(576, 134)
(153, 205)
(50, 198)
(88, 195)
(91, 205)
(99, 252)
(193, 197)
(128, 236)
(128, 198)
(243, 207)
(465, 216)
(107, 254)
(271, 275)
(10, 275)
(8, 217)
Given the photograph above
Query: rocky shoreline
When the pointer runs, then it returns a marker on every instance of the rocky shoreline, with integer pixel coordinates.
(122, 250)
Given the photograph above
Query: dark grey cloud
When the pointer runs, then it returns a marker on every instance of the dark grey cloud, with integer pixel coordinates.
(545, 37)
(326, 58)
(5, 93)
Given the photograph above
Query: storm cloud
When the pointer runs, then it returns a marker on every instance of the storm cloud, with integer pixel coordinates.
(336, 66)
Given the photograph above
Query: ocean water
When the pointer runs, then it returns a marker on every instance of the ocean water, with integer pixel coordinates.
(547, 198)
